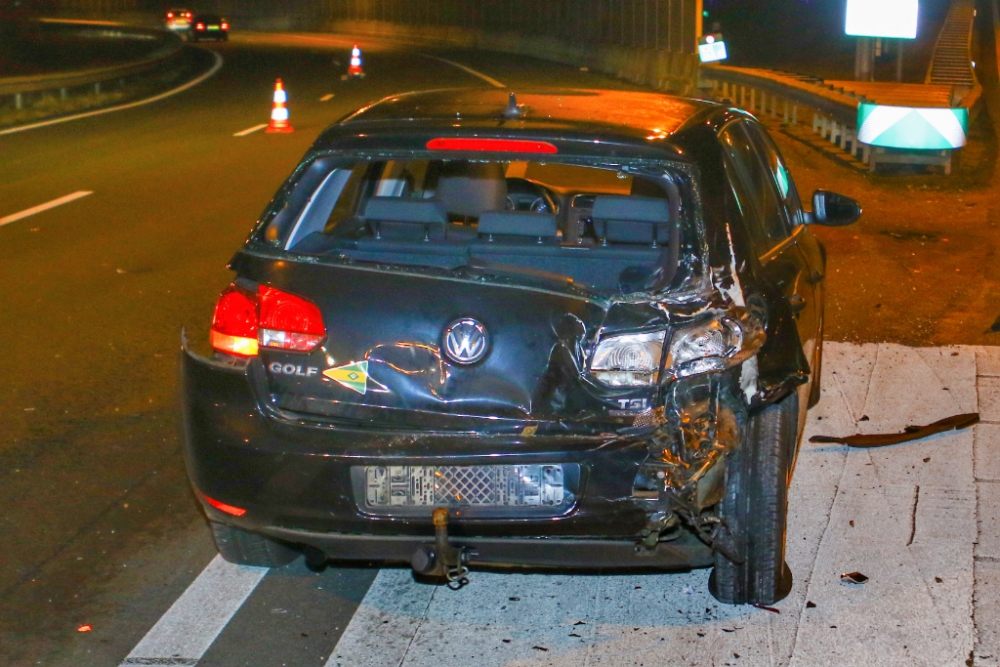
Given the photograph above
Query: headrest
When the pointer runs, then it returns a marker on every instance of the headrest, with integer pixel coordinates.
(621, 219)
(400, 209)
(518, 223)
(633, 209)
(468, 188)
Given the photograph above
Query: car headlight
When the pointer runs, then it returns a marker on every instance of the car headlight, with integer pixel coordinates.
(715, 345)
(630, 360)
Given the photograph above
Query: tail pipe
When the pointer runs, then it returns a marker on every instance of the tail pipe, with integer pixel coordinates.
(443, 559)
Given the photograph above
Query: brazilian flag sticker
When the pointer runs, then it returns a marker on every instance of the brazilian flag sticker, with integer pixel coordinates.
(354, 375)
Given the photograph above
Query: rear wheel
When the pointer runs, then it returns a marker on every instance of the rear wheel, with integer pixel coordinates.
(755, 508)
(244, 548)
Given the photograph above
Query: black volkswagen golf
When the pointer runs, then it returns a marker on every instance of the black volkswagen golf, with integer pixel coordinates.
(567, 329)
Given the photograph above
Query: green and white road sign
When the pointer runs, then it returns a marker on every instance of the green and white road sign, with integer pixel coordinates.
(908, 127)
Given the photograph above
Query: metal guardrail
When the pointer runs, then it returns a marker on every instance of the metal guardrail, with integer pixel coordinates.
(19, 86)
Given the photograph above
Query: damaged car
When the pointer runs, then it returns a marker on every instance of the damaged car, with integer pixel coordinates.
(557, 329)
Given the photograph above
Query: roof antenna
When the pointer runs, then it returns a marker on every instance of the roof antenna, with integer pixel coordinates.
(513, 110)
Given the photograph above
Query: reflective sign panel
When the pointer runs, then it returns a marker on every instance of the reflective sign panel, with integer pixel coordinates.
(907, 127)
(882, 18)
(711, 48)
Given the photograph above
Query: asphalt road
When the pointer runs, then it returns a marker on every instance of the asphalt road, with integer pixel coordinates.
(98, 525)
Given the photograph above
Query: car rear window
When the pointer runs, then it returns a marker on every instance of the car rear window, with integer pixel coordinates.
(587, 223)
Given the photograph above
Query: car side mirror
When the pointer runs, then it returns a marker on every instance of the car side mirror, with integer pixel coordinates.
(833, 210)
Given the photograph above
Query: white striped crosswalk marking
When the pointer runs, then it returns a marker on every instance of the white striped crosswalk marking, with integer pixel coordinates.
(189, 627)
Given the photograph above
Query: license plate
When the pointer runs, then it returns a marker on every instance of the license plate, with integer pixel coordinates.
(213, 27)
(509, 486)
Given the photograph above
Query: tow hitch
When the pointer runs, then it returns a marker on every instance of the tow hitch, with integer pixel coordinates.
(442, 559)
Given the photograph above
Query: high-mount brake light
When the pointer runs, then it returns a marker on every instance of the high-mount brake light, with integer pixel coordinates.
(234, 325)
(289, 322)
(244, 321)
(491, 145)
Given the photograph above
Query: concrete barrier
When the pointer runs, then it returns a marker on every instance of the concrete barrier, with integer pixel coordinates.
(665, 70)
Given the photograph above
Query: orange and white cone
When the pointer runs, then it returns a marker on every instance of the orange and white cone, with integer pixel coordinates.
(355, 67)
(279, 112)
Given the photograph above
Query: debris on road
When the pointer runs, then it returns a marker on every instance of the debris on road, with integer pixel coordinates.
(955, 422)
(774, 610)
(85, 628)
(853, 579)
(810, 604)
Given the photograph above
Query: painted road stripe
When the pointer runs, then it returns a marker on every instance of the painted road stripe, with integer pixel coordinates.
(250, 130)
(326, 98)
(493, 82)
(189, 627)
(216, 66)
(44, 207)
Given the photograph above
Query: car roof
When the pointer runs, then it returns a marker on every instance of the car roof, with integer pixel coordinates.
(644, 120)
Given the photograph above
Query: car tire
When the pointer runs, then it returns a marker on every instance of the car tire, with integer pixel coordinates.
(754, 510)
(244, 548)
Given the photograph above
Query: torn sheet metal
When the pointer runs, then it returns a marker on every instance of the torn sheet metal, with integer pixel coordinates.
(953, 423)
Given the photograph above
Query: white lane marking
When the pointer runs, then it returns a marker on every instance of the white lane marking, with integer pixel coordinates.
(250, 130)
(493, 82)
(44, 207)
(80, 22)
(326, 98)
(121, 107)
(850, 509)
(189, 627)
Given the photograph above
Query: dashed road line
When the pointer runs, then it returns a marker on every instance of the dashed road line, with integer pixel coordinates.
(493, 82)
(189, 627)
(326, 98)
(44, 207)
(250, 130)
(216, 66)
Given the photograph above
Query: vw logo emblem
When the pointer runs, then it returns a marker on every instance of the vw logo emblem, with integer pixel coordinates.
(465, 341)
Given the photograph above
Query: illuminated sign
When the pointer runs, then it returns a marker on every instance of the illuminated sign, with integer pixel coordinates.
(882, 18)
(906, 127)
(711, 48)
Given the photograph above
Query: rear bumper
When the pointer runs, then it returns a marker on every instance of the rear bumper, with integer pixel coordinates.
(684, 553)
(293, 478)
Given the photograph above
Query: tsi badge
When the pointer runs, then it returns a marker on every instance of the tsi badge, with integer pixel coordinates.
(465, 341)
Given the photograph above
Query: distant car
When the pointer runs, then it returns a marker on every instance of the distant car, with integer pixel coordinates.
(571, 328)
(209, 26)
(178, 20)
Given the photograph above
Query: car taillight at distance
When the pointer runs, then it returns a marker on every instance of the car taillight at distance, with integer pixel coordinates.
(225, 26)
(170, 15)
(200, 26)
(244, 321)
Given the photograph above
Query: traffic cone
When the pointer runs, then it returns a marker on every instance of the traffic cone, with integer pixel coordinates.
(279, 112)
(355, 68)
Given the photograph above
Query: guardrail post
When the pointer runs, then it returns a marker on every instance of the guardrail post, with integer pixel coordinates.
(753, 99)
(63, 94)
(786, 111)
(815, 123)
(795, 114)
(18, 101)
(97, 88)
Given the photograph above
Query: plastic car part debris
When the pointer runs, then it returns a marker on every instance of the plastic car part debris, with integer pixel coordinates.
(85, 628)
(773, 610)
(853, 579)
(956, 422)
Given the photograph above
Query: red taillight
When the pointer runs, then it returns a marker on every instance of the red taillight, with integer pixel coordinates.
(225, 26)
(170, 15)
(493, 145)
(289, 322)
(223, 507)
(187, 14)
(244, 321)
(234, 326)
(200, 26)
